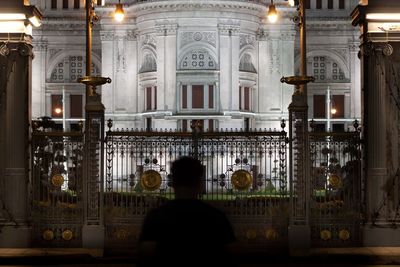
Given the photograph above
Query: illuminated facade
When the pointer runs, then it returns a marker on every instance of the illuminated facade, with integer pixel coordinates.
(217, 61)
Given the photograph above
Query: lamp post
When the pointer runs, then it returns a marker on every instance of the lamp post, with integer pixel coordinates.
(299, 228)
(93, 180)
(17, 19)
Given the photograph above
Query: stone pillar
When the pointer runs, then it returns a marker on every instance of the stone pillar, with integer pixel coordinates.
(15, 101)
(39, 80)
(161, 40)
(229, 66)
(263, 67)
(107, 61)
(170, 68)
(355, 74)
(132, 71)
(93, 230)
(376, 151)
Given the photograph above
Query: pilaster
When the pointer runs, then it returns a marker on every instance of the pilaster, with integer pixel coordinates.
(16, 70)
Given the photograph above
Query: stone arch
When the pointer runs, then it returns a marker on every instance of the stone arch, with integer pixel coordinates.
(65, 56)
(246, 62)
(197, 57)
(337, 58)
(148, 61)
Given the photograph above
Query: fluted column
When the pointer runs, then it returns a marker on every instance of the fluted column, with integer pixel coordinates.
(15, 78)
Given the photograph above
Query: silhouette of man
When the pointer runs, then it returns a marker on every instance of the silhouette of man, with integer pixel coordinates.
(185, 231)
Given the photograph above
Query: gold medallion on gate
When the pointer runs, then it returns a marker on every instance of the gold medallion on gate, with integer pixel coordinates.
(344, 234)
(48, 235)
(67, 235)
(335, 181)
(150, 180)
(57, 180)
(241, 180)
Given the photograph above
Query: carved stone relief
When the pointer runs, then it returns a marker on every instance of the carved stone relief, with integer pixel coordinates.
(247, 39)
(192, 37)
(149, 40)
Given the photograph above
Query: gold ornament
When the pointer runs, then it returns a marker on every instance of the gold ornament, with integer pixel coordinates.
(57, 180)
(241, 180)
(121, 234)
(150, 180)
(271, 234)
(335, 181)
(251, 234)
(67, 235)
(344, 234)
(48, 235)
(325, 235)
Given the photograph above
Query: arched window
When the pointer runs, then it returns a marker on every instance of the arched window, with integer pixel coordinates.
(325, 69)
(70, 69)
(198, 59)
(149, 64)
(246, 64)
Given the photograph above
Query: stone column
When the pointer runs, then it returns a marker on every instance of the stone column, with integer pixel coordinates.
(132, 71)
(107, 61)
(263, 67)
(229, 66)
(15, 101)
(355, 74)
(39, 80)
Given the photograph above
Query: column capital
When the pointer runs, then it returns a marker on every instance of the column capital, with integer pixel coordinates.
(369, 48)
(229, 29)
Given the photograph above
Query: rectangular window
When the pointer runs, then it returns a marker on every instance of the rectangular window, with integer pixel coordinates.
(197, 96)
(319, 106)
(56, 106)
(330, 4)
(65, 4)
(148, 124)
(308, 4)
(247, 98)
(210, 96)
(341, 4)
(210, 125)
(148, 98)
(184, 125)
(184, 96)
(77, 4)
(151, 98)
(76, 105)
(53, 4)
(240, 98)
(244, 98)
(338, 104)
(207, 125)
(319, 4)
(319, 127)
(338, 127)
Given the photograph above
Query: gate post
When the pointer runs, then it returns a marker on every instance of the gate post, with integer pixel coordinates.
(299, 171)
(15, 116)
(93, 230)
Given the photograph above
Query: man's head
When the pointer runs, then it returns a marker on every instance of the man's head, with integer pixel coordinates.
(186, 172)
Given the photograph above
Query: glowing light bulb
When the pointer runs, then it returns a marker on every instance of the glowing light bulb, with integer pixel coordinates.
(119, 13)
(272, 13)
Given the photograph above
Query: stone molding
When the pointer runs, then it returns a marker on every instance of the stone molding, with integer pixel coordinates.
(189, 37)
(230, 28)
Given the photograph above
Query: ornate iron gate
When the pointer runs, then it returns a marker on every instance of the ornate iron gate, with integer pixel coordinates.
(57, 188)
(335, 207)
(245, 176)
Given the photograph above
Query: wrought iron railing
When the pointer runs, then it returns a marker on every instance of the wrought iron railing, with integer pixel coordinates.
(336, 193)
(57, 188)
(245, 176)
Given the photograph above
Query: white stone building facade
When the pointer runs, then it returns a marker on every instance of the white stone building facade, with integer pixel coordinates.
(218, 61)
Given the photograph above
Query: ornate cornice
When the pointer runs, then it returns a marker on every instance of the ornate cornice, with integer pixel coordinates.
(164, 6)
(229, 28)
(166, 29)
(107, 35)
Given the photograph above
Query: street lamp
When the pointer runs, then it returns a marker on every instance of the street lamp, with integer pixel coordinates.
(119, 13)
(272, 13)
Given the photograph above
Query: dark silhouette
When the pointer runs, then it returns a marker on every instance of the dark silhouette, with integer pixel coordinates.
(186, 231)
